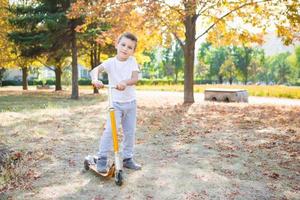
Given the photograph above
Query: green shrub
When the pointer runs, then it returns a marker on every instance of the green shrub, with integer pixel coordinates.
(84, 82)
(11, 83)
(201, 81)
(297, 83)
(104, 81)
(41, 82)
(158, 82)
(170, 82)
(50, 82)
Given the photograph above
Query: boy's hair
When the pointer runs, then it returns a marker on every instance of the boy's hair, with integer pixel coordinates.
(129, 36)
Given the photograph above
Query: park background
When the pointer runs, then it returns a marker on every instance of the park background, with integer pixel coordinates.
(234, 151)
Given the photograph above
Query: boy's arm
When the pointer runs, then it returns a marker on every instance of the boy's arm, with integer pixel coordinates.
(95, 74)
(134, 79)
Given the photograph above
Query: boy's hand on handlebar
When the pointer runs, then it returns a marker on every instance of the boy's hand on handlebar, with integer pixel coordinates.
(121, 86)
(97, 84)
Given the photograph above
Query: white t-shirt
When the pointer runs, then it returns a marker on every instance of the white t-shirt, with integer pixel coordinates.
(119, 71)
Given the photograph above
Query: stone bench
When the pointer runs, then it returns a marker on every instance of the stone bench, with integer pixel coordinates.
(226, 95)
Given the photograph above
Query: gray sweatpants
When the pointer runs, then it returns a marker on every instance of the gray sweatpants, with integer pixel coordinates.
(125, 114)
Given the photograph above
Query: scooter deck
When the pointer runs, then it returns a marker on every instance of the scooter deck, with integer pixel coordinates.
(90, 164)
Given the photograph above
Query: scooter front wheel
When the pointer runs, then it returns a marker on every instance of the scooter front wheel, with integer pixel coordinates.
(119, 177)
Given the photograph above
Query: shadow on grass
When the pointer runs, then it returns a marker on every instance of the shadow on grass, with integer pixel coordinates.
(33, 100)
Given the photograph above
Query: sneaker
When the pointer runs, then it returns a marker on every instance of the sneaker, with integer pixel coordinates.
(130, 164)
(102, 165)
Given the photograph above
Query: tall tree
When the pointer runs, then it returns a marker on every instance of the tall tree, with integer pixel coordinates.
(189, 20)
(177, 60)
(297, 53)
(150, 68)
(228, 69)
(166, 55)
(119, 16)
(256, 66)
(181, 18)
(5, 45)
(8, 57)
(215, 58)
(242, 59)
(280, 69)
(56, 61)
(42, 27)
(202, 69)
(283, 68)
(91, 49)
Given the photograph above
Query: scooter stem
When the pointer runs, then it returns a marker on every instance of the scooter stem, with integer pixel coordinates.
(111, 111)
(110, 87)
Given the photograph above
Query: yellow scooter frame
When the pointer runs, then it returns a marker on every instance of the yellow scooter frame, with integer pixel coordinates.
(111, 110)
(115, 169)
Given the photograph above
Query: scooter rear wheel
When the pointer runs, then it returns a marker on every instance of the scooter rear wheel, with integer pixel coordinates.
(119, 178)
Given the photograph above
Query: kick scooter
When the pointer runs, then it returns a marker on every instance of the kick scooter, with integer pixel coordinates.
(90, 162)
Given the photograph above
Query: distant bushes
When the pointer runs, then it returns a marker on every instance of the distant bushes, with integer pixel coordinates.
(11, 83)
(158, 82)
(30, 82)
(169, 82)
(141, 82)
(44, 82)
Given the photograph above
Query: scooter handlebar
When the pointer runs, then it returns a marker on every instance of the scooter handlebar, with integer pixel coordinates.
(106, 86)
(110, 86)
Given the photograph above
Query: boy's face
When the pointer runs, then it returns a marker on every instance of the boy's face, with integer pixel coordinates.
(125, 48)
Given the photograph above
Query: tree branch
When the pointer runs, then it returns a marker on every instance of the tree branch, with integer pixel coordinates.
(225, 15)
(179, 40)
(170, 7)
(45, 65)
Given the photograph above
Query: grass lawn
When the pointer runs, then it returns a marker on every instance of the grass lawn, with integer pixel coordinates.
(33, 99)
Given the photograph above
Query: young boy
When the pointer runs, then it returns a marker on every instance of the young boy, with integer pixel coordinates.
(122, 71)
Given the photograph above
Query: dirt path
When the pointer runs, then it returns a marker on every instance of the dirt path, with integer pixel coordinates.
(202, 151)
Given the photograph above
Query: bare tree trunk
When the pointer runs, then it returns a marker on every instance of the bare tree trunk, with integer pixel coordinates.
(2, 70)
(230, 80)
(24, 78)
(58, 73)
(189, 56)
(75, 94)
(176, 76)
(220, 79)
(94, 60)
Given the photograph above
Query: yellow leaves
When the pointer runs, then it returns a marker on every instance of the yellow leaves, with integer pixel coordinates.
(228, 68)
(77, 9)
(284, 31)
(81, 28)
(141, 58)
(5, 45)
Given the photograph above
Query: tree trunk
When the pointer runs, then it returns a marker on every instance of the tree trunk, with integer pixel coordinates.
(2, 70)
(189, 56)
(220, 79)
(176, 76)
(24, 78)
(75, 94)
(94, 61)
(245, 81)
(58, 73)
